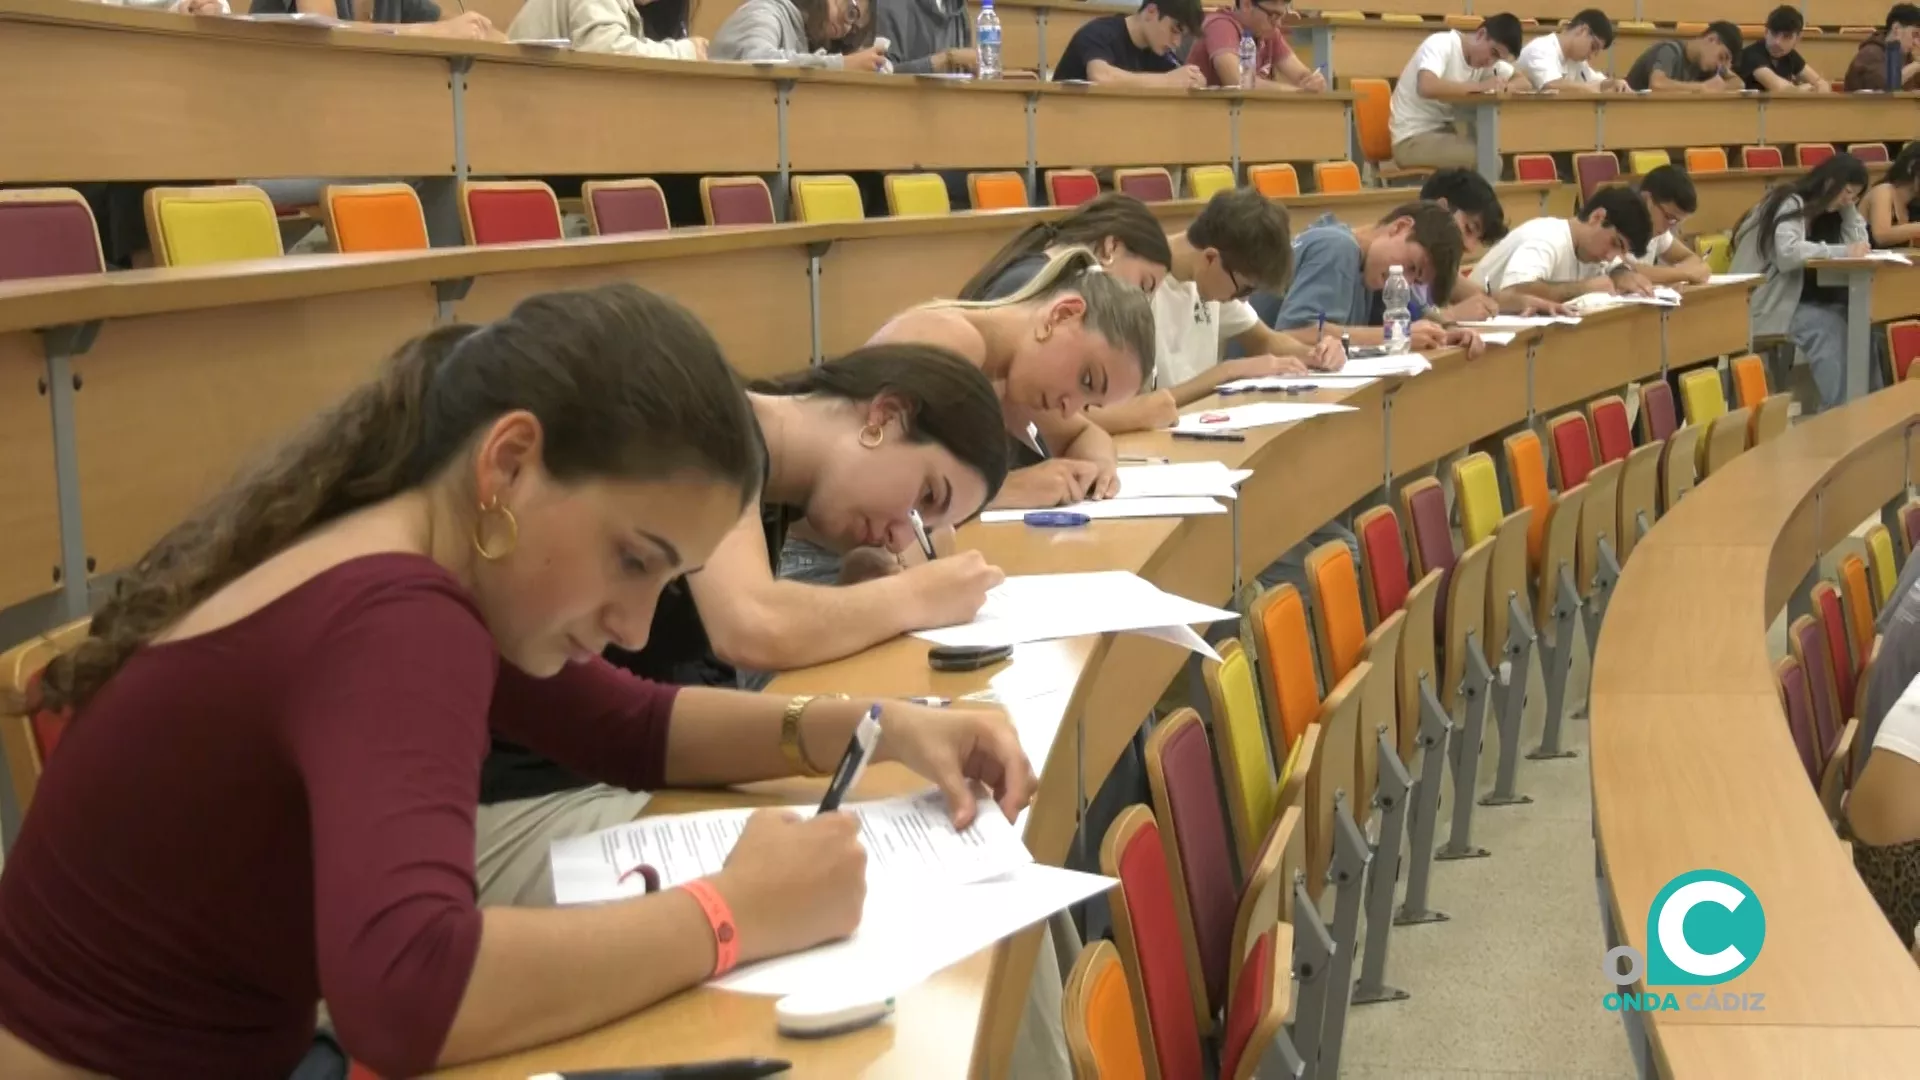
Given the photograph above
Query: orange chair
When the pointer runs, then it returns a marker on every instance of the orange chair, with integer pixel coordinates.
(1103, 1039)
(1689, 29)
(1535, 168)
(508, 211)
(1903, 347)
(1071, 187)
(997, 191)
(736, 200)
(1336, 177)
(618, 207)
(1807, 155)
(1274, 181)
(1749, 382)
(1858, 595)
(373, 217)
(1761, 157)
(1372, 107)
(1706, 159)
(1149, 185)
(1285, 651)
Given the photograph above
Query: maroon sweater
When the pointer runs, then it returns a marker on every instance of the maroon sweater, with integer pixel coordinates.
(244, 822)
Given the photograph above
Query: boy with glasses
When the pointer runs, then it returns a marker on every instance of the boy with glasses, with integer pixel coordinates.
(1669, 197)
(1217, 52)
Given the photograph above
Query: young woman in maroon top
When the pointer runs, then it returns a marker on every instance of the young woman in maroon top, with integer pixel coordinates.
(267, 794)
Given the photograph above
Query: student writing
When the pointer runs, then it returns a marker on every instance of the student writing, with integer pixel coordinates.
(1134, 49)
(1561, 258)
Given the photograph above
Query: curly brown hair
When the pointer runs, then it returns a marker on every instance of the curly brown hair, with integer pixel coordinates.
(624, 383)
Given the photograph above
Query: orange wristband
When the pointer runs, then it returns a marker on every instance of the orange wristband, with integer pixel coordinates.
(726, 941)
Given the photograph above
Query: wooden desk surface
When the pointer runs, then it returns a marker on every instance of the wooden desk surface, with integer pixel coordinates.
(1693, 766)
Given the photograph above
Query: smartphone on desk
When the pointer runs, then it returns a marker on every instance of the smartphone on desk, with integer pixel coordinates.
(966, 657)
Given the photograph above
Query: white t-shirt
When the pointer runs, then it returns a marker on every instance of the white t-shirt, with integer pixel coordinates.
(1537, 250)
(1444, 55)
(1544, 62)
(1657, 249)
(1187, 330)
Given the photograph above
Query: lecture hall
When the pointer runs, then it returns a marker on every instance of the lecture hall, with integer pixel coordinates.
(1490, 655)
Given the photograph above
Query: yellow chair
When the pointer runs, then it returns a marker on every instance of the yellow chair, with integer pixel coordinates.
(196, 226)
(1482, 516)
(1206, 181)
(916, 195)
(1399, 17)
(1704, 402)
(1643, 162)
(826, 198)
(1336, 177)
(1717, 250)
(1883, 565)
(1706, 159)
(1274, 181)
(1240, 733)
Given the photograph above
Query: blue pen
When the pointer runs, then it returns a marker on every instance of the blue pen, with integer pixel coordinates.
(1320, 331)
(1055, 519)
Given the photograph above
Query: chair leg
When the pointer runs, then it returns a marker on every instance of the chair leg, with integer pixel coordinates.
(1465, 750)
(1351, 856)
(1390, 809)
(1595, 612)
(1425, 809)
(1518, 656)
(1558, 664)
(1313, 949)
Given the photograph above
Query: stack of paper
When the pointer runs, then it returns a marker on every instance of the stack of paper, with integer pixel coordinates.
(1338, 381)
(1405, 364)
(1599, 301)
(1520, 322)
(1040, 607)
(1733, 279)
(1258, 414)
(1887, 256)
(1117, 508)
(1497, 337)
(1210, 478)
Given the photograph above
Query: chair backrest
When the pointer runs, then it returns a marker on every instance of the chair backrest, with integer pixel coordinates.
(1807, 155)
(1560, 548)
(1909, 529)
(1726, 439)
(1572, 445)
(917, 195)
(1096, 1009)
(1425, 506)
(1611, 431)
(47, 232)
(1274, 181)
(1761, 157)
(1149, 185)
(1419, 654)
(1838, 775)
(1825, 600)
(1872, 153)
(202, 225)
(617, 207)
(374, 217)
(1266, 900)
(1807, 641)
(1657, 418)
(1797, 701)
(1259, 1007)
(1071, 187)
(1334, 770)
(1858, 595)
(1336, 177)
(509, 211)
(1199, 851)
(1677, 473)
(1206, 181)
(1146, 931)
(997, 191)
(1476, 489)
(1702, 395)
(736, 200)
(1639, 496)
(1716, 250)
(1339, 621)
(1883, 569)
(1245, 765)
(1645, 161)
(1372, 106)
(30, 738)
(1527, 471)
(1749, 381)
(1278, 626)
(1706, 159)
(1903, 346)
(827, 198)
(1594, 170)
(1535, 168)
(1383, 557)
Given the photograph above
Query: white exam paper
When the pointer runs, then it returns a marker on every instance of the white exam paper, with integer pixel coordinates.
(1732, 279)
(1257, 414)
(1163, 506)
(1495, 337)
(1041, 607)
(1520, 322)
(1405, 364)
(1887, 256)
(1210, 478)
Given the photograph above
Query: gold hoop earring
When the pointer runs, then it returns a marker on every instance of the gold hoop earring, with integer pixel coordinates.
(492, 506)
(872, 436)
(1045, 333)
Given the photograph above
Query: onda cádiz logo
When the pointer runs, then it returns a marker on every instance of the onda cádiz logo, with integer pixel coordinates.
(1705, 927)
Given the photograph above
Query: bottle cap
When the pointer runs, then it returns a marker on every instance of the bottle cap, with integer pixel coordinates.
(1395, 269)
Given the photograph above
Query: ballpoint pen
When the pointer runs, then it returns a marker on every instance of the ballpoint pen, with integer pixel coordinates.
(1138, 459)
(1210, 436)
(920, 534)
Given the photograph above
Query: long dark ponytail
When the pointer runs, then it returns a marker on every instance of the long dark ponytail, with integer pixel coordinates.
(1817, 192)
(1111, 216)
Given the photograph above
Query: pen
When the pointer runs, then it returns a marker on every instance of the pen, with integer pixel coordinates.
(729, 1069)
(932, 702)
(1055, 519)
(866, 735)
(1321, 331)
(920, 534)
(1210, 436)
(1136, 459)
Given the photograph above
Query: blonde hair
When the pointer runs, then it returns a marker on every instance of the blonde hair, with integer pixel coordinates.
(1116, 310)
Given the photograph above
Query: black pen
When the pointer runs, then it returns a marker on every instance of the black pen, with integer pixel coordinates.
(920, 534)
(1210, 436)
(866, 735)
(729, 1069)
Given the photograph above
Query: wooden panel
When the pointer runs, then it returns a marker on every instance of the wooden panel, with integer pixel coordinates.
(1673, 120)
(754, 301)
(897, 125)
(1896, 292)
(1717, 1053)
(1375, 50)
(1546, 124)
(29, 506)
(1089, 128)
(1838, 12)
(1292, 128)
(500, 12)
(1725, 197)
(1457, 402)
(234, 382)
(528, 120)
(863, 283)
(92, 104)
(1835, 118)
(1614, 348)
(1831, 54)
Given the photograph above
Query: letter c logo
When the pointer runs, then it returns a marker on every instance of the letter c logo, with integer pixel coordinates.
(1705, 927)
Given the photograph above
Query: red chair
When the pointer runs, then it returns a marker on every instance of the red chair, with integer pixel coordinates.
(1594, 171)
(1259, 1008)
(1796, 700)
(1572, 449)
(1833, 623)
(1148, 185)
(1872, 153)
(1535, 168)
(1657, 417)
(1071, 187)
(1807, 641)
(1146, 930)
(1608, 415)
(1199, 852)
(736, 200)
(1761, 157)
(1383, 563)
(1807, 155)
(1903, 347)
(1909, 529)
(31, 738)
(508, 211)
(47, 232)
(624, 206)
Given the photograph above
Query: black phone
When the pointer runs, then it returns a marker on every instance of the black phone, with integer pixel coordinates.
(966, 657)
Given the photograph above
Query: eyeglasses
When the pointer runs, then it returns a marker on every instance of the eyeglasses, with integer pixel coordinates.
(1241, 290)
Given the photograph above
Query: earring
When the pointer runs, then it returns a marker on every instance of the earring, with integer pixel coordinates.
(872, 436)
(1045, 333)
(492, 506)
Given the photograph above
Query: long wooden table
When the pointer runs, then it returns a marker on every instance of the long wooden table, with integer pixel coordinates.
(1693, 766)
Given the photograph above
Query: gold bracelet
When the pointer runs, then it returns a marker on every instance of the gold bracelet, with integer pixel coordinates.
(796, 754)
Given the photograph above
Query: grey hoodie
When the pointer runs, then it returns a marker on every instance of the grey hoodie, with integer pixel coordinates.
(919, 29)
(772, 31)
(1774, 301)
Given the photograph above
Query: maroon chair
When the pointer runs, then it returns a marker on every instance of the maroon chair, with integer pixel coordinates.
(1425, 506)
(47, 232)
(736, 200)
(1808, 642)
(624, 206)
(1594, 171)
(1610, 428)
(1658, 420)
(1193, 829)
(1873, 153)
(1797, 701)
(1148, 185)
(1846, 675)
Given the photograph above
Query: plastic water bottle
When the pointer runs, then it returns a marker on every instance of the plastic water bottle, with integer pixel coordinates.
(1398, 298)
(1249, 59)
(986, 40)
